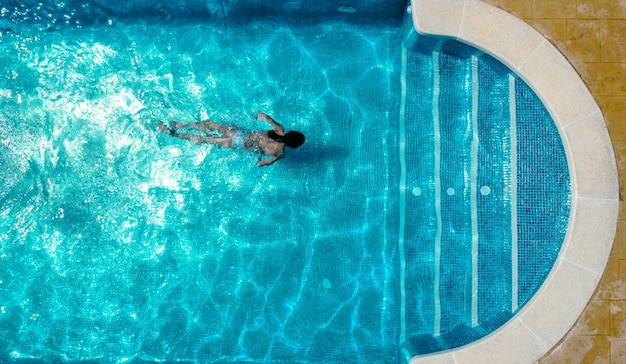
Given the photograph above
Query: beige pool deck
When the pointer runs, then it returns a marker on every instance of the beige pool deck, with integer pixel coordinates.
(573, 54)
(591, 34)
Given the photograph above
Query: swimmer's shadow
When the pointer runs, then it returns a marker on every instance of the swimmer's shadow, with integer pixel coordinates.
(316, 154)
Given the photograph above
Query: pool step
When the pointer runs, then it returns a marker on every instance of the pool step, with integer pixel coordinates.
(458, 336)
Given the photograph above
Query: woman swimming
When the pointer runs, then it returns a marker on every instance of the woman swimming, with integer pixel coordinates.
(271, 142)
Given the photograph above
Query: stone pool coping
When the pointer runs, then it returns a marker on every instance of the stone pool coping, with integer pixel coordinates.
(554, 309)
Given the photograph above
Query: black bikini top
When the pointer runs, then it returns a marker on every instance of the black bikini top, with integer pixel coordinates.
(272, 135)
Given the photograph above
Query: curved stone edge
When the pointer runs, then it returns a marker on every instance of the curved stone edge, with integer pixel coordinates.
(554, 309)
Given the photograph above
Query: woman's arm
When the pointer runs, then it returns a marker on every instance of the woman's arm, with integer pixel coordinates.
(272, 159)
(277, 127)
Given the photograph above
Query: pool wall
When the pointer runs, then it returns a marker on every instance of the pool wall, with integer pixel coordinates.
(79, 13)
(545, 319)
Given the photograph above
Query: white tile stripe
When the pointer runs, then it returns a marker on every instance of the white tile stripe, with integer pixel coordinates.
(437, 177)
(402, 146)
(474, 190)
(513, 164)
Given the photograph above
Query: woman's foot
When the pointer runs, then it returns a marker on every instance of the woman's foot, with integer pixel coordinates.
(164, 129)
(261, 116)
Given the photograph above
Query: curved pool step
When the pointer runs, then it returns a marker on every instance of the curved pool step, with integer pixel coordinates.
(458, 336)
(487, 194)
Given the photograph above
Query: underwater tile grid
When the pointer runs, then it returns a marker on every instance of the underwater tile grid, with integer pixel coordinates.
(592, 36)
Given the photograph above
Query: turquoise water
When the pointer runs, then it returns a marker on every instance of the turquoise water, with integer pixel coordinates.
(427, 206)
(119, 243)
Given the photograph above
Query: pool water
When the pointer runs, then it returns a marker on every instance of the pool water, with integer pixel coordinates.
(118, 243)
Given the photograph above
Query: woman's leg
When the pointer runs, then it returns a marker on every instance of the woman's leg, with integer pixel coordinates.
(205, 126)
(222, 142)
(208, 125)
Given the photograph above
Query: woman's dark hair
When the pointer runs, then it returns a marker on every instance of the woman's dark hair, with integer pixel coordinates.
(293, 139)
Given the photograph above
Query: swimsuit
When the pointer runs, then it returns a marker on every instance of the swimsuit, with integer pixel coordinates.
(239, 139)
